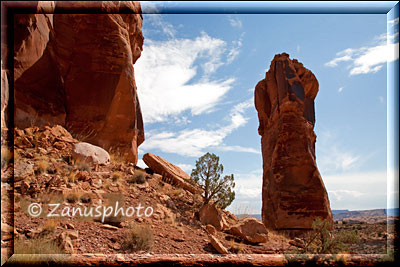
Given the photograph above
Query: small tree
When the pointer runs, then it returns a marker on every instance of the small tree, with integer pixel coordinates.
(207, 174)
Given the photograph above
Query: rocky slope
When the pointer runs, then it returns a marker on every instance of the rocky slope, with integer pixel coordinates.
(293, 192)
(77, 70)
(47, 171)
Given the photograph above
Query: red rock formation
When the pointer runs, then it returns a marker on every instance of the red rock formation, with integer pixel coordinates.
(293, 192)
(77, 70)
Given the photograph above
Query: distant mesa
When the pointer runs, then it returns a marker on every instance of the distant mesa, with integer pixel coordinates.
(293, 193)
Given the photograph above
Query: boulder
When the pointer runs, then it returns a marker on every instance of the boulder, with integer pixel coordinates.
(209, 214)
(91, 154)
(170, 172)
(293, 193)
(22, 170)
(251, 230)
(218, 245)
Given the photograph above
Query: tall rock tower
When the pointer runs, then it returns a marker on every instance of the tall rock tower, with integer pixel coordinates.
(293, 192)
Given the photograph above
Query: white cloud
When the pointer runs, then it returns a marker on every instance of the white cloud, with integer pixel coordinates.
(158, 22)
(369, 59)
(186, 167)
(333, 157)
(238, 149)
(381, 99)
(394, 22)
(141, 164)
(248, 187)
(165, 72)
(340, 89)
(235, 50)
(357, 190)
(235, 22)
(338, 195)
(192, 142)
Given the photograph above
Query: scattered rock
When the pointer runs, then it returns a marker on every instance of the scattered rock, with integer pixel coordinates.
(209, 214)
(6, 232)
(70, 226)
(211, 229)
(109, 227)
(297, 242)
(90, 154)
(65, 242)
(218, 245)
(21, 170)
(251, 230)
(179, 239)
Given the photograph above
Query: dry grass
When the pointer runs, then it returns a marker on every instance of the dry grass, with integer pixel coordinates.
(176, 192)
(50, 226)
(237, 248)
(138, 238)
(37, 246)
(116, 176)
(71, 177)
(42, 164)
(116, 157)
(139, 177)
(82, 165)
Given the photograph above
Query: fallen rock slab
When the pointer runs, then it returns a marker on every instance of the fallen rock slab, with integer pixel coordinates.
(170, 172)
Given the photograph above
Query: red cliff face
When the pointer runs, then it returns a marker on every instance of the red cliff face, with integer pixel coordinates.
(293, 192)
(77, 70)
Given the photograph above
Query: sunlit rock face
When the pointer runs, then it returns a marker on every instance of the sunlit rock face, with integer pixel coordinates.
(293, 193)
(77, 70)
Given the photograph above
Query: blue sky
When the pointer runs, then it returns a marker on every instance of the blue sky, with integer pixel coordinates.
(196, 80)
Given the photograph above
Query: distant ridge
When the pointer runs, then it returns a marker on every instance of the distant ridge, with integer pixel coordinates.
(341, 214)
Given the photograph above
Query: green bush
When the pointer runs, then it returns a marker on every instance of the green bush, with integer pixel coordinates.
(321, 240)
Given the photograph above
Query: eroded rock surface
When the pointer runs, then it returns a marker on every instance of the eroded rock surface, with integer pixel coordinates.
(76, 70)
(293, 192)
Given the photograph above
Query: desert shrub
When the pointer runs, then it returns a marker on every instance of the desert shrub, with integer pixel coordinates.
(72, 197)
(50, 226)
(116, 176)
(237, 248)
(138, 238)
(42, 165)
(321, 240)
(139, 177)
